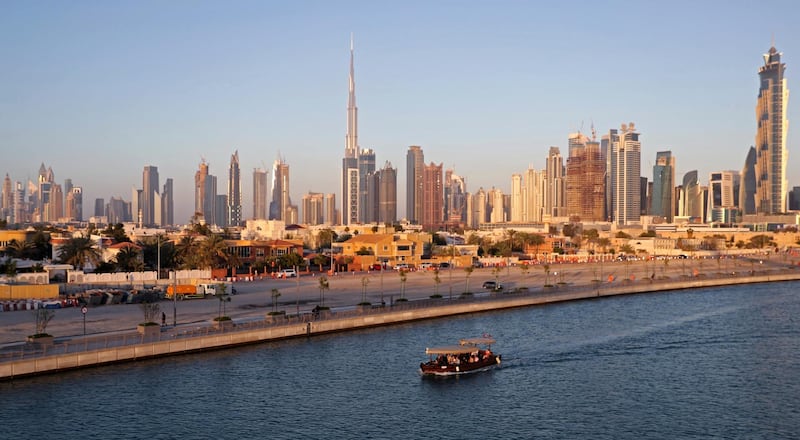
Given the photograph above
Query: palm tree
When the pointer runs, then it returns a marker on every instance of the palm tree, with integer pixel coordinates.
(213, 252)
(19, 249)
(546, 269)
(536, 240)
(129, 259)
(78, 251)
(319, 260)
(323, 286)
(275, 295)
(187, 252)
(403, 279)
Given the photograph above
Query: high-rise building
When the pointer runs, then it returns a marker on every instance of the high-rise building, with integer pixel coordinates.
(366, 192)
(313, 208)
(168, 204)
(200, 186)
(234, 217)
(455, 198)
(495, 202)
(626, 181)
(691, 197)
(723, 195)
(259, 194)
(771, 135)
(415, 166)
(432, 197)
(554, 197)
(747, 188)
(74, 204)
(56, 203)
(6, 200)
(516, 198)
(150, 187)
(118, 211)
(281, 204)
(221, 210)
(351, 182)
(534, 195)
(387, 194)
(794, 199)
(136, 200)
(662, 200)
(585, 180)
(476, 209)
(331, 213)
(605, 149)
(99, 207)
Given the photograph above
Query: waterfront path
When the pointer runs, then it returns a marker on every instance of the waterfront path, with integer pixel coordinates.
(113, 326)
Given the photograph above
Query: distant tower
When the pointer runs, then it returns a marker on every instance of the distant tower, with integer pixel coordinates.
(554, 197)
(432, 197)
(387, 194)
(747, 189)
(168, 204)
(366, 167)
(259, 194)
(585, 180)
(626, 156)
(663, 196)
(234, 217)
(150, 193)
(351, 183)
(415, 166)
(771, 154)
(280, 208)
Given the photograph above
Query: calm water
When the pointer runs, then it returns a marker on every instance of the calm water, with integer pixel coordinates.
(712, 363)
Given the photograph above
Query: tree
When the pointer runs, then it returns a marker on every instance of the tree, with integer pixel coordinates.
(546, 269)
(436, 282)
(403, 279)
(468, 272)
(364, 283)
(20, 249)
(524, 268)
(213, 252)
(186, 252)
(129, 259)
(41, 318)
(78, 251)
(364, 251)
(275, 294)
(223, 298)
(536, 240)
(323, 286)
(116, 232)
(320, 260)
(325, 237)
(603, 242)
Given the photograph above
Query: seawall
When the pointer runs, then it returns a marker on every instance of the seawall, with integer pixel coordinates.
(60, 362)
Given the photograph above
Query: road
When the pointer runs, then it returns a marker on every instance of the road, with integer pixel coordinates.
(254, 298)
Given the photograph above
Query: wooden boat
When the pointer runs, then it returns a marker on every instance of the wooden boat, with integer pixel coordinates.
(469, 356)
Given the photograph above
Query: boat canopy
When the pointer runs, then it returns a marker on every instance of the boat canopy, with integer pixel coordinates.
(477, 341)
(453, 349)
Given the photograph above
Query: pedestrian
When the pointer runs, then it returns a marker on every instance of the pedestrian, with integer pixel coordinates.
(163, 319)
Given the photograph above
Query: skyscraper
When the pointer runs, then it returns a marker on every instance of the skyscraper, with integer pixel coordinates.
(605, 149)
(772, 129)
(534, 195)
(99, 207)
(747, 189)
(723, 194)
(331, 213)
(585, 180)
(367, 194)
(387, 194)
(415, 166)
(259, 194)
(168, 204)
(516, 198)
(150, 195)
(692, 206)
(74, 205)
(313, 208)
(351, 183)
(200, 188)
(280, 207)
(432, 197)
(662, 202)
(455, 198)
(626, 181)
(6, 204)
(234, 192)
(554, 197)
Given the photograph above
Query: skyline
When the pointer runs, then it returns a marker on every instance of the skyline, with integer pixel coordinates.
(171, 84)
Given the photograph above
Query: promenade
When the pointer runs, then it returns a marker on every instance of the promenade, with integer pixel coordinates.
(111, 336)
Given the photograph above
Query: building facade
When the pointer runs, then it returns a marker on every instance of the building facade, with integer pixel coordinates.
(771, 133)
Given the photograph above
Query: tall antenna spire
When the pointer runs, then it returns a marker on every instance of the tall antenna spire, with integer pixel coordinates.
(351, 139)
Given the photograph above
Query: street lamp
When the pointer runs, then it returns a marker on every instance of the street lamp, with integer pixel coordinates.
(174, 298)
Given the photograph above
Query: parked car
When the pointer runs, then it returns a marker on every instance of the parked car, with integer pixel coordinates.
(492, 285)
(425, 266)
(287, 273)
(401, 266)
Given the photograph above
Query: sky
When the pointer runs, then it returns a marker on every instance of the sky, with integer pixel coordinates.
(98, 90)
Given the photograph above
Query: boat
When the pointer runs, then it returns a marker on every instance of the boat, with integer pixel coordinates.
(471, 355)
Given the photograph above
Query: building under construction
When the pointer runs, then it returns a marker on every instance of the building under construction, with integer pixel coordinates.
(586, 168)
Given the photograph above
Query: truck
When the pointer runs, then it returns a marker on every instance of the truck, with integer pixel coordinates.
(215, 288)
(185, 291)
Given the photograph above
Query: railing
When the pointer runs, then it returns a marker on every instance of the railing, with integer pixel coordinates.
(24, 351)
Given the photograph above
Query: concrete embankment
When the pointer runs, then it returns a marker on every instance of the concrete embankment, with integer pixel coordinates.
(212, 341)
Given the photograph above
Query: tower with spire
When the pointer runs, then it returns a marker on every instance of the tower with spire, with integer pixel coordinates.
(350, 173)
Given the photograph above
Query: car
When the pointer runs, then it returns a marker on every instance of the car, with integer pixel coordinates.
(425, 266)
(492, 285)
(444, 265)
(401, 267)
(287, 273)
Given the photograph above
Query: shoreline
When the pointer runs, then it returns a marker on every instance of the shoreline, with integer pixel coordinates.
(204, 338)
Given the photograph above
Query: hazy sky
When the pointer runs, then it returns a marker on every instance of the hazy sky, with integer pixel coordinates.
(98, 90)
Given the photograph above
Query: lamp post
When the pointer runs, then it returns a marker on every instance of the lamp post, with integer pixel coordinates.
(158, 259)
